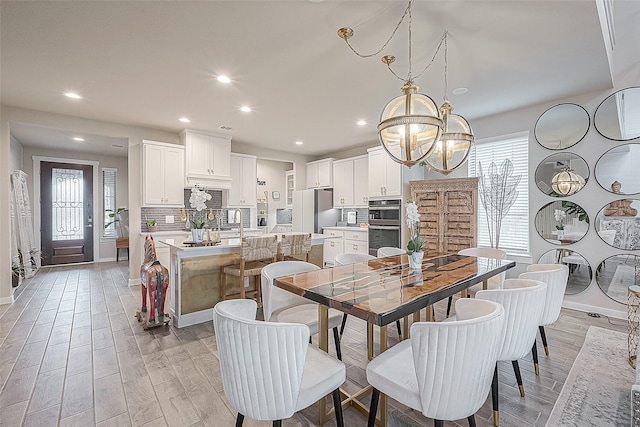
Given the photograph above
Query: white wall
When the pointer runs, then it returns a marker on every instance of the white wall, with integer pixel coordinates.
(16, 150)
(107, 247)
(272, 172)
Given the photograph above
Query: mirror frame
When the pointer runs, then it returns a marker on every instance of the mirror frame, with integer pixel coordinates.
(588, 268)
(601, 211)
(595, 168)
(595, 115)
(535, 220)
(602, 265)
(577, 158)
(586, 130)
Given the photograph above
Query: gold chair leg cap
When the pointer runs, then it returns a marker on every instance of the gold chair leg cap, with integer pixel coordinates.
(537, 369)
(521, 387)
(496, 417)
(546, 351)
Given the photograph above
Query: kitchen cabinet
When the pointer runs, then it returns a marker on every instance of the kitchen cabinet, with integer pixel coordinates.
(344, 239)
(448, 213)
(350, 177)
(208, 159)
(320, 174)
(162, 174)
(385, 175)
(243, 181)
(290, 182)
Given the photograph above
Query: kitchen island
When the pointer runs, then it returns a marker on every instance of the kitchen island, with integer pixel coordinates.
(195, 275)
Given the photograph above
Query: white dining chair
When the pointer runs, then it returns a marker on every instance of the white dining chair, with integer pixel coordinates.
(445, 369)
(354, 258)
(269, 371)
(279, 305)
(390, 251)
(523, 301)
(493, 282)
(555, 276)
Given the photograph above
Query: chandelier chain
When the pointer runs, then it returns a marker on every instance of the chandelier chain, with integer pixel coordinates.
(433, 58)
(395, 30)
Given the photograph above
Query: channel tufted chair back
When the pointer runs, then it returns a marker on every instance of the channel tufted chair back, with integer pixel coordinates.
(390, 251)
(274, 298)
(555, 276)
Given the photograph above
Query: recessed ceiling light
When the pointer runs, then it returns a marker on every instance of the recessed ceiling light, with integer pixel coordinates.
(224, 79)
(78, 139)
(72, 95)
(184, 120)
(361, 123)
(460, 91)
(245, 109)
(298, 142)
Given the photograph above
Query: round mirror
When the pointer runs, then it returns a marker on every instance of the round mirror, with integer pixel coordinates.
(617, 116)
(618, 166)
(618, 224)
(580, 273)
(562, 174)
(562, 126)
(615, 274)
(562, 222)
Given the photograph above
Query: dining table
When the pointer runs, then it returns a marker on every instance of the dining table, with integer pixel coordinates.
(382, 291)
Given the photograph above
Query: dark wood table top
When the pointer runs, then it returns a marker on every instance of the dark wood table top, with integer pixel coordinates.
(384, 290)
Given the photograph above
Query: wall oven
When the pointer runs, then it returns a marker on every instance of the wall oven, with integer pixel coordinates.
(385, 224)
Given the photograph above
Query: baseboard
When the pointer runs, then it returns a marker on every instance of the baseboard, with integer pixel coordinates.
(7, 300)
(192, 318)
(134, 282)
(107, 259)
(618, 314)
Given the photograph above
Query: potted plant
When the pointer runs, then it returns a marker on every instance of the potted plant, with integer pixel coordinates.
(198, 219)
(115, 217)
(17, 273)
(415, 244)
(152, 225)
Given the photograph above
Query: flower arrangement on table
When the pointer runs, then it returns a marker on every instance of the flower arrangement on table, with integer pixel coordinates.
(560, 216)
(415, 244)
(198, 218)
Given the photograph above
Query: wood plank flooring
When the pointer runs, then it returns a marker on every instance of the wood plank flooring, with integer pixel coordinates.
(72, 354)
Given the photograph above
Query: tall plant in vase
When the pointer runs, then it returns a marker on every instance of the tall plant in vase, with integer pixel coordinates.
(415, 244)
(198, 219)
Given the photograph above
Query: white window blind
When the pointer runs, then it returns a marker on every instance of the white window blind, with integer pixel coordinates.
(109, 200)
(514, 234)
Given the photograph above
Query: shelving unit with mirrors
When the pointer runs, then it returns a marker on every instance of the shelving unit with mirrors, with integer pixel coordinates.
(262, 209)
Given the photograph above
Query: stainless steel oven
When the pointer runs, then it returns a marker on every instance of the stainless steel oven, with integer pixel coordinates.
(385, 224)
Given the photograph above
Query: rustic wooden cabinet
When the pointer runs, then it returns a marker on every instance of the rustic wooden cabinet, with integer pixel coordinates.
(448, 213)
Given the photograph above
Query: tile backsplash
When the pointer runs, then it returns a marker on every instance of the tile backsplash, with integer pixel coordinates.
(160, 213)
(362, 215)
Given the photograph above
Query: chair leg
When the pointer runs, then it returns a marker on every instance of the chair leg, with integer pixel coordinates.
(544, 340)
(239, 420)
(449, 305)
(399, 328)
(336, 338)
(344, 322)
(373, 409)
(337, 405)
(438, 423)
(494, 396)
(516, 370)
(472, 420)
(534, 353)
(277, 423)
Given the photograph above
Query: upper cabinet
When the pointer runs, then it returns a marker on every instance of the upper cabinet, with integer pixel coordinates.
(208, 159)
(243, 181)
(162, 174)
(291, 186)
(350, 183)
(385, 175)
(320, 174)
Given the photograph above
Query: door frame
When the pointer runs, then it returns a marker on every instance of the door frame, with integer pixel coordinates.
(97, 202)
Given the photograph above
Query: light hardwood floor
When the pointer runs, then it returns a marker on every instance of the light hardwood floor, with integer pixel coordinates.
(72, 354)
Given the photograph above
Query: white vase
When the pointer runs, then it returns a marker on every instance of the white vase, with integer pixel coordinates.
(560, 234)
(197, 234)
(415, 260)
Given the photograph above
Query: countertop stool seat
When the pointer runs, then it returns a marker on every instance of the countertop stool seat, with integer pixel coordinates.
(255, 253)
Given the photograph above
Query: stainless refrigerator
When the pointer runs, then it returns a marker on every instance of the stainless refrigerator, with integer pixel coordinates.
(313, 210)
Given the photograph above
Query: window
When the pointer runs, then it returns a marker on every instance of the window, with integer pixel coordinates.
(109, 201)
(514, 233)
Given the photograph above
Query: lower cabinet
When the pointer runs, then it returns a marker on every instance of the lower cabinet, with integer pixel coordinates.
(341, 241)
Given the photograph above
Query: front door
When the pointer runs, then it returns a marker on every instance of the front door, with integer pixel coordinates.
(66, 203)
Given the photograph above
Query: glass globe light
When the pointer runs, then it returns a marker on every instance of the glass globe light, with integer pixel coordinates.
(567, 182)
(454, 145)
(409, 126)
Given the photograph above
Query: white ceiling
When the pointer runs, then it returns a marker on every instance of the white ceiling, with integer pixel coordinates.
(148, 63)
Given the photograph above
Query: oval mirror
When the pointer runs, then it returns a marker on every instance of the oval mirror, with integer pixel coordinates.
(580, 273)
(618, 224)
(615, 274)
(618, 166)
(562, 222)
(562, 174)
(617, 116)
(562, 126)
